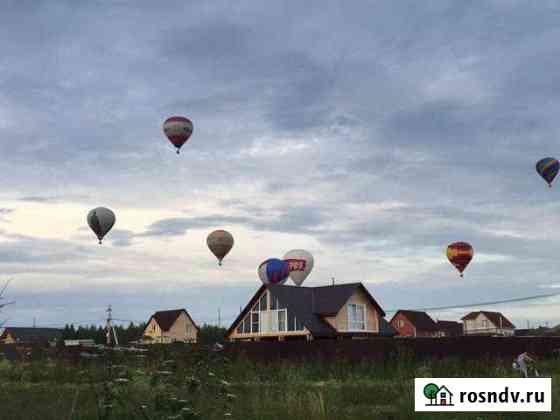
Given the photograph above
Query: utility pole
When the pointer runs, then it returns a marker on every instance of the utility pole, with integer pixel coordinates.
(110, 328)
(332, 278)
(219, 318)
(34, 324)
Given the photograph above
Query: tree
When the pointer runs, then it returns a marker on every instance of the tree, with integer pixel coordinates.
(210, 334)
(430, 392)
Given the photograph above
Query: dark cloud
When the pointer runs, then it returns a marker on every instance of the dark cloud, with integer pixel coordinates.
(302, 116)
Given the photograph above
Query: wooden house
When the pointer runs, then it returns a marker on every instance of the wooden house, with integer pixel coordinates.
(170, 326)
(281, 312)
(414, 324)
(487, 323)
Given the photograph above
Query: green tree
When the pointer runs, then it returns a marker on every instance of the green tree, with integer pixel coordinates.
(430, 391)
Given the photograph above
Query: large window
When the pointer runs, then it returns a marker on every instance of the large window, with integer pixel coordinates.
(356, 317)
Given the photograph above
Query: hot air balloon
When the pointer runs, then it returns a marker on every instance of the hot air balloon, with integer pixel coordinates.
(273, 271)
(300, 263)
(178, 130)
(548, 168)
(101, 220)
(460, 255)
(220, 243)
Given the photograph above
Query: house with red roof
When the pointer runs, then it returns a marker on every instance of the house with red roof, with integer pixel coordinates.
(414, 324)
(170, 326)
(487, 323)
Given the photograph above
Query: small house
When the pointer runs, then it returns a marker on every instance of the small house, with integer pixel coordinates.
(449, 328)
(30, 335)
(170, 326)
(444, 396)
(487, 323)
(414, 324)
(282, 312)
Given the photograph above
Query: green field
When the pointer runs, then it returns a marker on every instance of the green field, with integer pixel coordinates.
(205, 385)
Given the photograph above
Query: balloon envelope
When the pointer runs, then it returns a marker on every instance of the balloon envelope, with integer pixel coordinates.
(220, 243)
(547, 168)
(178, 130)
(273, 271)
(460, 255)
(300, 263)
(101, 220)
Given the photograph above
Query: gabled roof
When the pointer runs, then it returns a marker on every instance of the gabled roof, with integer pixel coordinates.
(33, 334)
(166, 319)
(496, 318)
(421, 320)
(310, 304)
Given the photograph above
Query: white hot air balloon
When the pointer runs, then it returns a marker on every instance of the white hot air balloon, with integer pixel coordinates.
(301, 263)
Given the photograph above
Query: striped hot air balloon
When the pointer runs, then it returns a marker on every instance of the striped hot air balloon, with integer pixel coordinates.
(460, 255)
(274, 271)
(178, 130)
(547, 168)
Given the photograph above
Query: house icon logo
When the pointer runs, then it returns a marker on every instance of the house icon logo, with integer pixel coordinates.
(438, 395)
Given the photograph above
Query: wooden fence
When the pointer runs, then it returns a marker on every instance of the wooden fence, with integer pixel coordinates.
(392, 348)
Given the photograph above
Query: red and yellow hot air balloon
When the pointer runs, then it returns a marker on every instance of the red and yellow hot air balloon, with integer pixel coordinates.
(460, 255)
(178, 130)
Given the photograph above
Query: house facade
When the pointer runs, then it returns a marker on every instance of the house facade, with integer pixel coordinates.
(487, 323)
(414, 324)
(30, 335)
(280, 312)
(169, 327)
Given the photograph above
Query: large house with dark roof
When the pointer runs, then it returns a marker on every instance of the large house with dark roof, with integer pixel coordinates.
(487, 323)
(414, 324)
(30, 335)
(281, 312)
(170, 326)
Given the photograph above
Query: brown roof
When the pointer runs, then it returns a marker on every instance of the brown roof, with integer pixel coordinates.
(310, 304)
(496, 318)
(421, 320)
(166, 319)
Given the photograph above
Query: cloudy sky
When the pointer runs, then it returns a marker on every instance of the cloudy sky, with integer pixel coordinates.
(372, 134)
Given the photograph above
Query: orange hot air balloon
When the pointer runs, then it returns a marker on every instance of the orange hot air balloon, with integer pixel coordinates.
(460, 255)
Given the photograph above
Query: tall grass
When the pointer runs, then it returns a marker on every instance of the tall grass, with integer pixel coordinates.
(201, 384)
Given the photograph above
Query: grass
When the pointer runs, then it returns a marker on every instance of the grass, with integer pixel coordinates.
(205, 385)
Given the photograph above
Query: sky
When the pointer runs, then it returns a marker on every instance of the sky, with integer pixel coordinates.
(372, 134)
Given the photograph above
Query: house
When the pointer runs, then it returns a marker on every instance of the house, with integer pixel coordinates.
(414, 324)
(444, 396)
(170, 326)
(282, 312)
(30, 335)
(449, 328)
(487, 323)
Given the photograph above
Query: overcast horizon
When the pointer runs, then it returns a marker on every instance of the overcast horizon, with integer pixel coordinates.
(372, 134)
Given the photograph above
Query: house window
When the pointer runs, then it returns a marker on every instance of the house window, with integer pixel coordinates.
(282, 315)
(255, 322)
(240, 328)
(356, 317)
(263, 303)
(247, 325)
(400, 323)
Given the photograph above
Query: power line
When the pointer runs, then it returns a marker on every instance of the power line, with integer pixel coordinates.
(496, 302)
